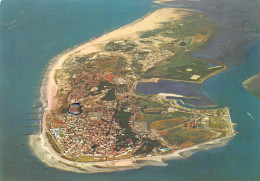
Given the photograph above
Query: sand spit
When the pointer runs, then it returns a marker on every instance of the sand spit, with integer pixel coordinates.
(38, 142)
(162, 1)
(169, 94)
(252, 85)
(167, 1)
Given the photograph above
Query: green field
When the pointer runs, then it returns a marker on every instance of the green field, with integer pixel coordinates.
(177, 69)
(156, 117)
(166, 124)
(181, 135)
(149, 103)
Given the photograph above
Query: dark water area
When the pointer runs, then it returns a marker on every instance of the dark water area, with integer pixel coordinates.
(166, 86)
(240, 159)
(186, 89)
(32, 32)
(238, 25)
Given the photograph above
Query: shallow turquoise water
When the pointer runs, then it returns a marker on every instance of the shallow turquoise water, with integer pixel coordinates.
(32, 32)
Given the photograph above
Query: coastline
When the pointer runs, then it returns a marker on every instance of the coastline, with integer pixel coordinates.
(149, 22)
(41, 147)
(41, 150)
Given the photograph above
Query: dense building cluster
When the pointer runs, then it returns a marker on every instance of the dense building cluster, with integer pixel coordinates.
(95, 135)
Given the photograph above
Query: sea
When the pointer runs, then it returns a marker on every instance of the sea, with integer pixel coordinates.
(32, 32)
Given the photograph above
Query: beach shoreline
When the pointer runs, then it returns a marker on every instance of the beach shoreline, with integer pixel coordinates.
(162, 1)
(47, 155)
(39, 143)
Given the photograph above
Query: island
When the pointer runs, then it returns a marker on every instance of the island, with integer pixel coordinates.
(252, 85)
(132, 97)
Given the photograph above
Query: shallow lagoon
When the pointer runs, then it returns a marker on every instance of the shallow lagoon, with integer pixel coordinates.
(186, 89)
(166, 86)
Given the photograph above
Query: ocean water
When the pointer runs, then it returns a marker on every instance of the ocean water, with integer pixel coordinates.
(32, 32)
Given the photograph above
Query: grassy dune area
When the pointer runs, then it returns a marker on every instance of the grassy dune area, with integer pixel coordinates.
(149, 103)
(193, 32)
(177, 66)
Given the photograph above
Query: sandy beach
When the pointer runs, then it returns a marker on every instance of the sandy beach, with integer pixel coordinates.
(43, 150)
(171, 95)
(51, 159)
(38, 142)
(162, 1)
(166, 1)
